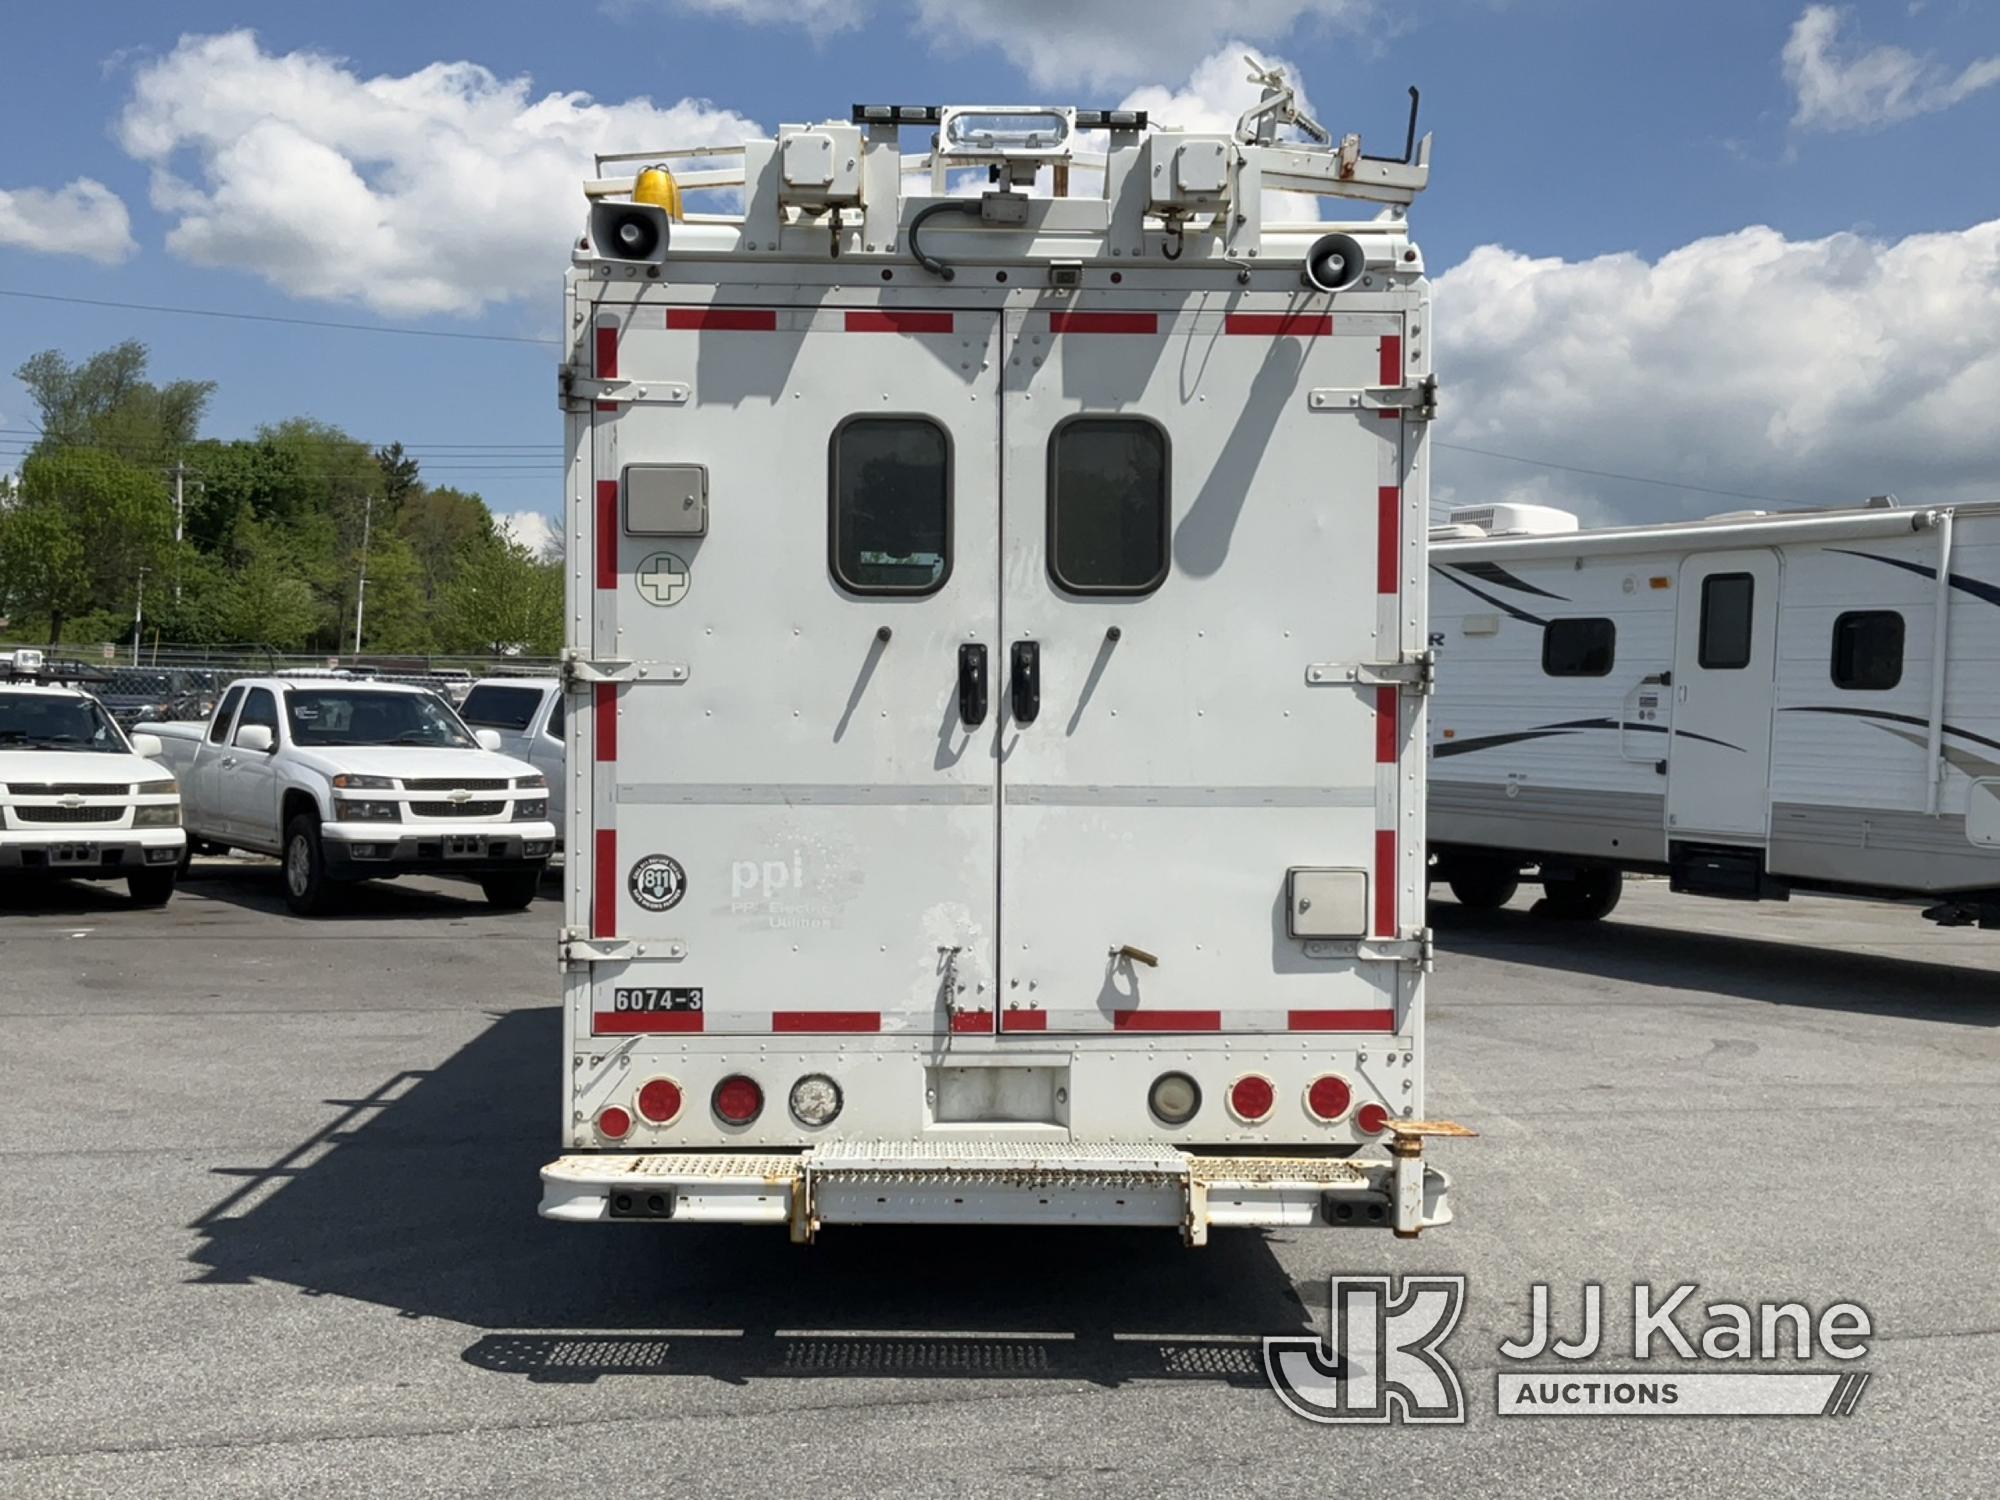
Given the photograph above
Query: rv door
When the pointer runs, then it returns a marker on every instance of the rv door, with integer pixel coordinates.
(1725, 668)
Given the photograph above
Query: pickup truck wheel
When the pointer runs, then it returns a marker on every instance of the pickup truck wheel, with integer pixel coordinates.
(1482, 885)
(307, 889)
(152, 887)
(511, 890)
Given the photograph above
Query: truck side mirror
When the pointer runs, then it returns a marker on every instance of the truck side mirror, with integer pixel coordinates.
(489, 739)
(256, 738)
(148, 745)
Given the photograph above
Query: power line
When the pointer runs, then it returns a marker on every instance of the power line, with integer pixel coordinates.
(1669, 484)
(214, 312)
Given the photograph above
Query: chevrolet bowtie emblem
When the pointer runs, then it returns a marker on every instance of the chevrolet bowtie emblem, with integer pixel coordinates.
(460, 794)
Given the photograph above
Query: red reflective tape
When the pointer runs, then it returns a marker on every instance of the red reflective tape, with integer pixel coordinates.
(741, 319)
(826, 1020)
(604, 703)
(1388, 710)
(607, 533)
(1303, 325)
(628, 1022)
(1103, 322)
(1388, 537)
(1385, 882)
(604, 900)
(883, 321)
(980, 1021)
(1341, 1020)
(1166, 1020)
(1024, 1020)
(1392, 359)
(606, 359)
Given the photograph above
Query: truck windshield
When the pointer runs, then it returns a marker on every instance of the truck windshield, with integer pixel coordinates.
(34, 721)
(356, 716)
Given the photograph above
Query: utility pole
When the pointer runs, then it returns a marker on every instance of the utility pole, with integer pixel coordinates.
(139, 617)
(180, 473)
(361, 587)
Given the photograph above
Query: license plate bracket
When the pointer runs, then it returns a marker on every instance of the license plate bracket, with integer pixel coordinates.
(73, 854)
(464, 846)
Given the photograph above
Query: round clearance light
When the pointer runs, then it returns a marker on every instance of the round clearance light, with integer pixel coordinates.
(1372, 1119)
(660, 1101)
(1173, 1098)
(815, 1100)
(1251, 1098)
(614, 1122)
(1328, 1097)
(737, 1100)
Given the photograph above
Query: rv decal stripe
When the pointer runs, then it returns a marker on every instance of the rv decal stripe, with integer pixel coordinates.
(803, 794)
(1031, 795)
(604, 719)
(1341, 1020)
(606, 540)
(1977, 587)
(826, 1020)
(1912, 719)
(1491, 742)
(639, 1022)
(1568, 726)
(976, 1021)
(1104, 322)
(1166, 1020)
(604, 889)
(1392, 360)
(1388, 537)
(740, 319)
(1385, 882)
(1499, 604)
(902, 320)
(1303, 325)
(1388, 712)
(1487, 572)
(1024, 1020)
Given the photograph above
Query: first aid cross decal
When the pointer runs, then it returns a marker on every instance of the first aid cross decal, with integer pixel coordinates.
(662, 579)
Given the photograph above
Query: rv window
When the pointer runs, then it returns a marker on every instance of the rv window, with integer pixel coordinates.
(1108, 506)
(1726, 599)
(1579, 648)
(890, 519)
(1868, 650)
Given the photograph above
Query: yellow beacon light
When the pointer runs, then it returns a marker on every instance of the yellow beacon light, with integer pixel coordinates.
(656, 185)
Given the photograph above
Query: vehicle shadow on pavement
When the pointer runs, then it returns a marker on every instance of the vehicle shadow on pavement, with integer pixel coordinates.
(1772, 971)
(258, 885)
(62, 898)
(421, 1197)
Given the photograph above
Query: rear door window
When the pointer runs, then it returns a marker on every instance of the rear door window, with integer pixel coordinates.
(1109, 507)
(889, 521)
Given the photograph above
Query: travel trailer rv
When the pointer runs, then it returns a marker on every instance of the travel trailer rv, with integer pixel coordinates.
(1752, 704)
(997, 672)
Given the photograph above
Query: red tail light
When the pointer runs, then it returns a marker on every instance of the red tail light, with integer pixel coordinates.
(1251, 1098)
(737, 1100)
(1371, 1119)
(614, 1122)
(660, 1101)
(1329, 1097)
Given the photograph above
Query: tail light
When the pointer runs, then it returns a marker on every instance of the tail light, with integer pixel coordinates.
(1372, 1119)
(815, 1100)
(1173, 1098)
(1329, 1097)
(614, 1122)
(660, 1101)
(737, 1100)
(1251, 1098)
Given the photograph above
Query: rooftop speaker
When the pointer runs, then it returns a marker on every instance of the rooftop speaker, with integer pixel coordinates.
(1334, 263)
(629, 231)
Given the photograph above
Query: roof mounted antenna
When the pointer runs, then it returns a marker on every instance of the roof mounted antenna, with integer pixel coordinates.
(1258, 125)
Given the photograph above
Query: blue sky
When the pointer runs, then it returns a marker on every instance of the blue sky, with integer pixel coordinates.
(1615, 151)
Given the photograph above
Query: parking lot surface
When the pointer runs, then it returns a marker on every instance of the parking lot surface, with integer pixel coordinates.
(267, 1228)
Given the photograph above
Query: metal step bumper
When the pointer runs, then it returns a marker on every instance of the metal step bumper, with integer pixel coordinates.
(1008, 1182)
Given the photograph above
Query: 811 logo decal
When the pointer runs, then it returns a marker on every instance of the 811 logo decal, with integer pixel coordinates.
(657, 882)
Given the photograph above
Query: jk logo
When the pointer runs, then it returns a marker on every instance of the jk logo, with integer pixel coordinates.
(1381, 1361)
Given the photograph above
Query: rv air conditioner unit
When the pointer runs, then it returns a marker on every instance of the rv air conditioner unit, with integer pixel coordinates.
(1514, 520)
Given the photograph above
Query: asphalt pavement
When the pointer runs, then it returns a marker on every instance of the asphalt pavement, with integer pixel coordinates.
(267, 1227)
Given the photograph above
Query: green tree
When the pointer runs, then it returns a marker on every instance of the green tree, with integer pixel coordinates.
(107, 402)
(401, 477)
(440, 524)
(502, 598)
(398, 615)
(267, 602)
(85, 526)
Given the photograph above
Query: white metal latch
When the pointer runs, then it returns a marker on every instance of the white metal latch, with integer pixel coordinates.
(576, 668)
(1418, 402)
(575, 946)
(1417, 672)
(582, 392)
(1416, 949)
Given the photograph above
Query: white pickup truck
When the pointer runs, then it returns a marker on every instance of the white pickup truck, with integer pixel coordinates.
(527, 714)
(349, 781)
(78, 800)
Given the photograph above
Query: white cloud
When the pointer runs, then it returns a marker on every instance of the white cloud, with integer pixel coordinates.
(1814, 371)
(1853, 88)
(532, 530)
(441, 190)
(83, 218)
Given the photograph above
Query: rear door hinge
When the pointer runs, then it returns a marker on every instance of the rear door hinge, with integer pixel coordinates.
(578, 668)
(576, 391)
(1415, 673)
(575, 947)
(1414, 949)
(1418, 402)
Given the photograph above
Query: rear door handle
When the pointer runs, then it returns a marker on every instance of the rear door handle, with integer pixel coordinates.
(972, 685)
(1026, 681)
